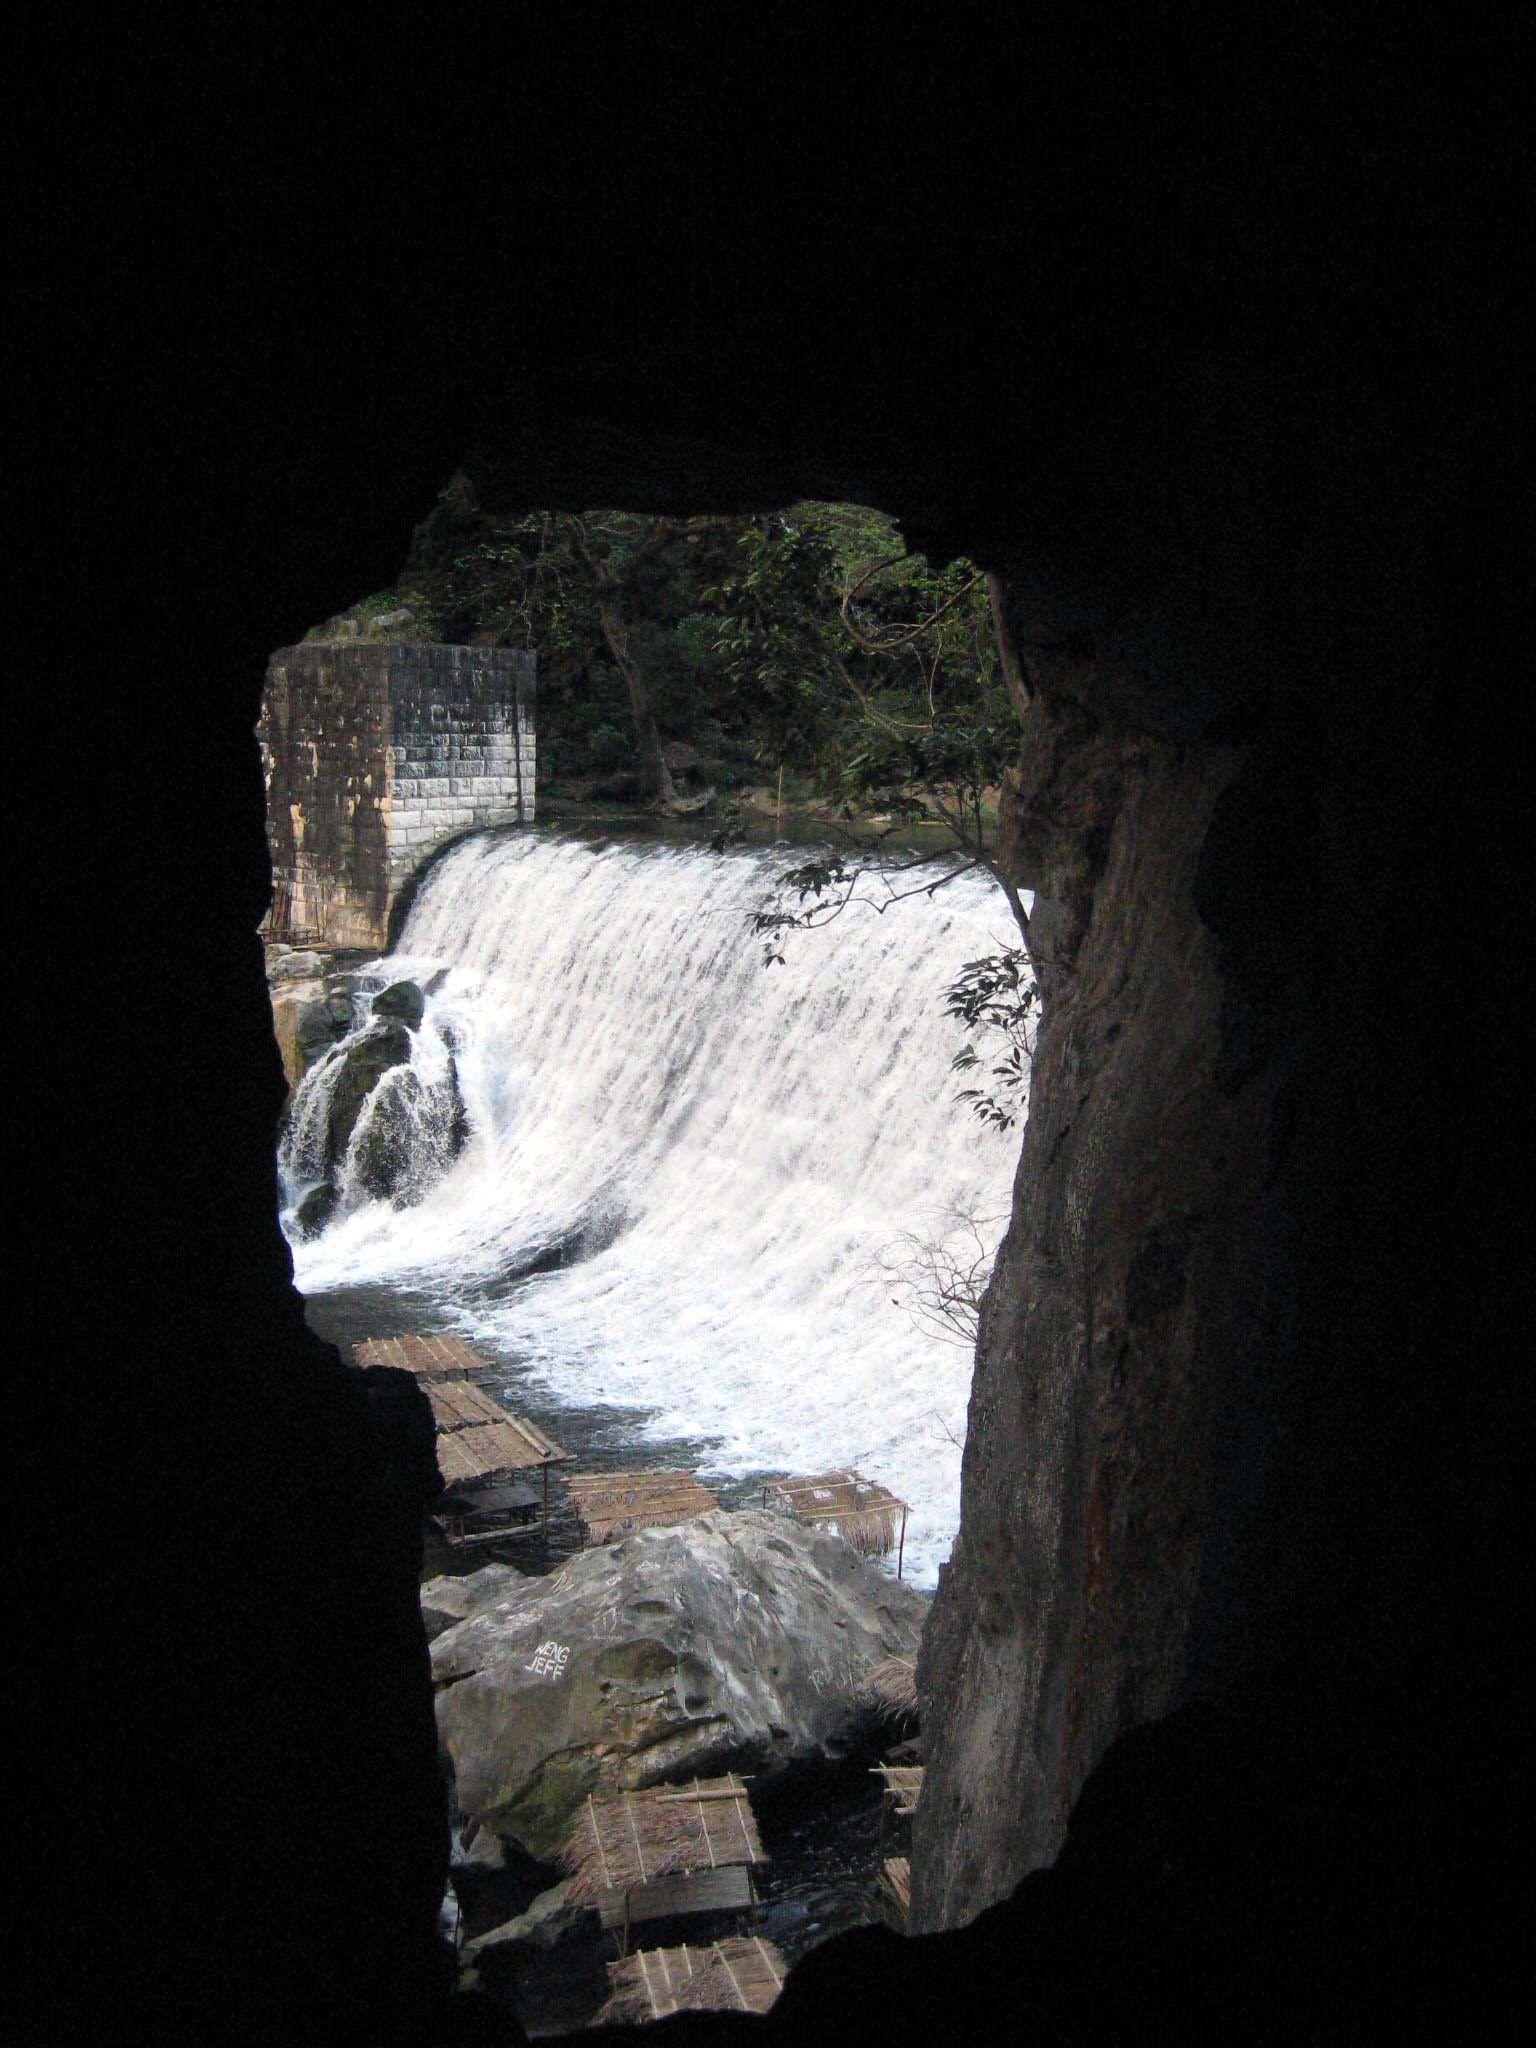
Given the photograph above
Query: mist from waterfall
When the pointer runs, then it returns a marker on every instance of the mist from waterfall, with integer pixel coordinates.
(681, 1168)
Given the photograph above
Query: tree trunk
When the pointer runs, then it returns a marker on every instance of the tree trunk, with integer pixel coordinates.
(655, 774)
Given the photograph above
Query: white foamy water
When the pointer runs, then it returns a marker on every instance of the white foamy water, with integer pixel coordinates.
(721, 1150)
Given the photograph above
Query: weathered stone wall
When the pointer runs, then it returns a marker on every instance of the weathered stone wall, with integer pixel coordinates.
(375, 756)
(462, 750)
(325, 737)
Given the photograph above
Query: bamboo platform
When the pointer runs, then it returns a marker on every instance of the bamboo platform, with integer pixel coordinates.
(863, 1513)
(743, 1974)
(437, 1357)
(610, 1503)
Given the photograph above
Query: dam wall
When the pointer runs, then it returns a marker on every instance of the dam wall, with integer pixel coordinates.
(375, 756)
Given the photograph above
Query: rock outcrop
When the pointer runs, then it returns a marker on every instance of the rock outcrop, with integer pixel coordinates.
(448, 1600)
(738, 1640)
(548, 1920)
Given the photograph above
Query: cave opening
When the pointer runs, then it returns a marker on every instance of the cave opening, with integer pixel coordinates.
(606, 1101)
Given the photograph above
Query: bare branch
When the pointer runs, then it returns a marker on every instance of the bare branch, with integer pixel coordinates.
(890, 646)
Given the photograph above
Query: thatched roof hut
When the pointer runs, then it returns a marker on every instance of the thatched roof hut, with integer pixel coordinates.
(477, 1439)
(865, 1514)
(741, 1974)
(610, 1503)
(892, 1684)
(636, 1837)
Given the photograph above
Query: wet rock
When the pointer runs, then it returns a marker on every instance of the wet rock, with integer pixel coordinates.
(296, 1007)
(315, 1211)
(446, 1601)
(383, 1164)
(403, 1000)
(365, 1062)
(734, 1641)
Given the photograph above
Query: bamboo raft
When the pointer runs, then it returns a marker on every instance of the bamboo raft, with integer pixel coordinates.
(611, 1503)
(863, 1513)
(741, 1974)
(438, 1357)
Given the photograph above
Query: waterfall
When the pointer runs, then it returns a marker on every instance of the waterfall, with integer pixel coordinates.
(678, 1169)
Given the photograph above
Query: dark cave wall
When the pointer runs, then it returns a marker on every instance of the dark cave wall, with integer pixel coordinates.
(1193, 1327)
(1237, 799)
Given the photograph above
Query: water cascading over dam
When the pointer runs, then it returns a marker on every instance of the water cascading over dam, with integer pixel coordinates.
(679, 1177)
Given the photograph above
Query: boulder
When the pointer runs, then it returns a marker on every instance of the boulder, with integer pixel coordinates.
(548, 1920)
(483, 1852)
(296, 967)
(402, 1000)
(736, 1641)
(295, 1009)
(448, 1600)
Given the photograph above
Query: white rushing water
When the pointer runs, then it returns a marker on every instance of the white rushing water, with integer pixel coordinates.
(721, 1151)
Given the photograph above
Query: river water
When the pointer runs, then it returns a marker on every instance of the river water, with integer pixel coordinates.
(671, 1216)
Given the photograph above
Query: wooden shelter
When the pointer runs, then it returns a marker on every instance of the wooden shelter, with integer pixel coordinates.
(478, 1441)
(865, 1514)
(892, 1684)
(741, 1974)
(610, 1503)
(673, 1849)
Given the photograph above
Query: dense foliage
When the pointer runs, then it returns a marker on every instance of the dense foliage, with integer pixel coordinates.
(804, 655)
(737, 637)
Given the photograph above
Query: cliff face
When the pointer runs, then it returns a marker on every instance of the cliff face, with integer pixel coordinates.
(1189, 1329)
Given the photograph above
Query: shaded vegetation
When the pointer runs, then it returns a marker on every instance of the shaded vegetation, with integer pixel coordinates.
(796, 659)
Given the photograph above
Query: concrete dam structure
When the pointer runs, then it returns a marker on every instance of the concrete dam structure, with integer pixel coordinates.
(375, 756)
